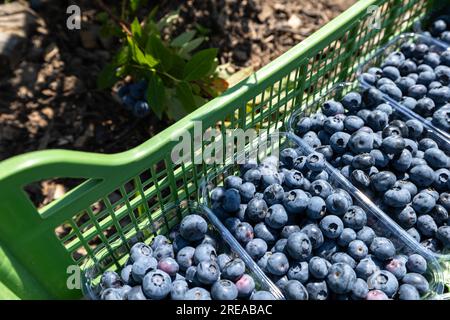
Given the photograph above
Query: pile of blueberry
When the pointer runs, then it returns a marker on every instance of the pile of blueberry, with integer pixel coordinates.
(440, 29)
(133, 96)
(186, 269)
(418, 77)
(309, 237)
(392, 161)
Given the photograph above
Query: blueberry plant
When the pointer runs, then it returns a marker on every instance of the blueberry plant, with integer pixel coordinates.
(171, 76)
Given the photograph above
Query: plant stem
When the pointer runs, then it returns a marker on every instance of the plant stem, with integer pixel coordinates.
(119, 21)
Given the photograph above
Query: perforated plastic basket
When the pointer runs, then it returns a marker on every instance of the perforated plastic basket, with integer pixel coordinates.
(441, 136)
(376, 219)
(93, 268)
(336, 93)
(124, 192)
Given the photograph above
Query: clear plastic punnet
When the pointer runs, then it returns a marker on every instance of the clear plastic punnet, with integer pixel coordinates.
(376, 219)
(93, 269)
(336, 93)
(439, 133)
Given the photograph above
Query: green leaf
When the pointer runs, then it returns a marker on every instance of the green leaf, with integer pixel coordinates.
(183, 38)
(184, 93)
(200, 64)
(156, 95)
(136, 29)
(138, 56)
(190, 46)
(159, 51)
(107, 77)
(122, 56)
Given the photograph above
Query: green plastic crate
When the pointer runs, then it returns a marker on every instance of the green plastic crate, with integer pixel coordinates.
(34, 255)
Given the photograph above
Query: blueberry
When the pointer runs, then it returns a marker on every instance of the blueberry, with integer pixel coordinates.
(321, 188)
(347, 236)
(303, 125)
(156, 285)
(158, 241)
(327, 249)
(295, 201)
(253, 176)
(436, 158)
(256, 248)
(384, 281)
(278, 264)
(392, 91)
(382, 248)
(360, 142)
(179, 289)
(232, 223)
(141, 109)
(136, 293)
(268, 177)
(337, 204)
(439, 214)
(316, 208)
(396, 266)
(376, 295)
(276, 217)
(365, 268)
(126, 275)
(352, 101)
(317, 290)
(423, 202)
(279, 246)
(397, 197)
(366, 234)
(208, 272)
(331, 226)
(383, 181)
(394, 59)
(422, 175)
(357, 249)
(355, 218)
(417, 91)
(169, 266)
(318, 267)
(273, 194)
(256, 209)
(416, 263)
(262, 295)
(164, 251)
(299, 246)
(402, 161)
(299, 271)
(140, 250)
(409, 102)
(112, 294)
(407, 217)
(371, 79)
(197, 293)
(341, 278)
(360, 289)
(224, 290)
(418, 281)
(141, 267)
(442, 180)
(288, 230)
(403, 83)
(245, 286)
(262, 231)
(331, 108)
(380, 158)
(406, 67)
(233, 270)
(204, 252)
(426, 225)
(193, 227)
(344, 258)
(247, 191)
(443, 235)
(408, 292)
(294, 290)
(407, 48)
(111, 279)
